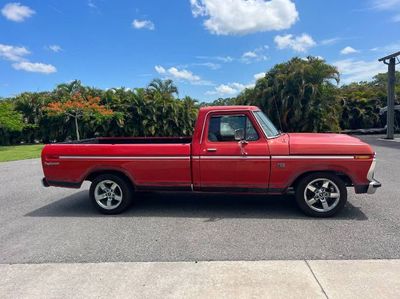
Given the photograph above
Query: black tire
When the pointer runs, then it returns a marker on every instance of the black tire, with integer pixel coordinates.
(317, 180)
(120, 199)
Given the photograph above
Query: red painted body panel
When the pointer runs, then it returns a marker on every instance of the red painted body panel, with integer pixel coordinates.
(282, 178)
(150, 171)
(267, 164)
(326, 144)
(279, 146)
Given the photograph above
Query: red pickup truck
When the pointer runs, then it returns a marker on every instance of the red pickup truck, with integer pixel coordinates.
(233, 149)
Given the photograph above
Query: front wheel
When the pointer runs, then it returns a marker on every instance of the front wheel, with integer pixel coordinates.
(321, 194)
(110, 194)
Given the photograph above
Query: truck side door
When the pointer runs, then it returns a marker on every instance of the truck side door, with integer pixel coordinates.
(227, 164)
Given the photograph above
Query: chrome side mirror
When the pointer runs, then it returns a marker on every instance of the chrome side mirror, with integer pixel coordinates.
(239, 134)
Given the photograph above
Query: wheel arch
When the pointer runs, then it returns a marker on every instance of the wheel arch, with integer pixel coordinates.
(118, 172)
(345, 177)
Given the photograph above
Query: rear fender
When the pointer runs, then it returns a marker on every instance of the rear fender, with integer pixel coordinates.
(101, 169)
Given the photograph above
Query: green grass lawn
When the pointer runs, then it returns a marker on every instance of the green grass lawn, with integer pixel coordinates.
(20, 152)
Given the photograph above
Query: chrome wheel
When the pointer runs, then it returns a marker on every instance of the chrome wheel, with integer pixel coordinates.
(108, 194)
(322, 195)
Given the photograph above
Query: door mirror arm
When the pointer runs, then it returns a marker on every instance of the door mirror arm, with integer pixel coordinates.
(242, 144)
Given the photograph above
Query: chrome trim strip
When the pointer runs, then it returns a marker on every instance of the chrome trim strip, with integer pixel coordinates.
(259, 125)
(208, 157)
(321, 157)
(235, 157)
(124, 157)
(51, 163)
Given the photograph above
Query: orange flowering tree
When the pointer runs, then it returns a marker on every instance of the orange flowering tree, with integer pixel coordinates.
(78, 107)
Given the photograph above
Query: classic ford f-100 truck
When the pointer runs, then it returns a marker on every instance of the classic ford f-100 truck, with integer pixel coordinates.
(233, 149)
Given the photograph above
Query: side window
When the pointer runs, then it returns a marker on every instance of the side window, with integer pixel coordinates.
(222, 128)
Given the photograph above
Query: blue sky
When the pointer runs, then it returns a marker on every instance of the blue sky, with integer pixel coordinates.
(210, 48)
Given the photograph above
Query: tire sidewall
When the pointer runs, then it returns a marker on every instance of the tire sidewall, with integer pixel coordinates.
(125, 188)
(303, 184)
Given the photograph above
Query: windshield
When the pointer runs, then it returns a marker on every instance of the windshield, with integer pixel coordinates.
(266, 124)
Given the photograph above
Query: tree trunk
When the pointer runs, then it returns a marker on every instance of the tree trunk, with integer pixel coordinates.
(77, 129)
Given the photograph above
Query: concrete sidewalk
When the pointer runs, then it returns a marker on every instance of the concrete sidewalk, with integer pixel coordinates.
(260, 279)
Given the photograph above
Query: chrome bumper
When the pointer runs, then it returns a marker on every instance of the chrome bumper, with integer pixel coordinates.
(373, 184)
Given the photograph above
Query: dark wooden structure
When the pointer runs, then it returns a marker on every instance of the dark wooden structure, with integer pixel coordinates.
(391, 61)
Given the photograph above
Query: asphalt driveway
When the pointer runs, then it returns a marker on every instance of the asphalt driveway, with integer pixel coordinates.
(40, 224)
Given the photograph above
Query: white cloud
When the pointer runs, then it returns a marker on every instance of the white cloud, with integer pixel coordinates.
(249, 54)
(34, 67)
(388, 5)
(224, 59)
(55, 48)
(348, 50)
(181, 75)
(396, 18)
(245, 16)
(92, 4)
(159, 69)
(254, 55)
(17, 12)
(18, 56)
(210, 65)
(394, 47)
(297, 43)
(330, 41)
(229, 89)
(143, 24)
(13, 53)
(358, 70)
(225, 89)
(259, 75)
(385, 4)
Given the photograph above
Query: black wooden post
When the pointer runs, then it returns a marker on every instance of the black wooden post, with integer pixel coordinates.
(391, 92)
(390, 100)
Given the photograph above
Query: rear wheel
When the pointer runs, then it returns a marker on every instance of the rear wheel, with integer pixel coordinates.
(321, 194)
(110, 194)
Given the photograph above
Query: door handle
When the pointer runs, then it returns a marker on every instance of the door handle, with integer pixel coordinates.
(211, 150)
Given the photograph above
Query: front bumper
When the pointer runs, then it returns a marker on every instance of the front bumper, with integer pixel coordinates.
(373, 186)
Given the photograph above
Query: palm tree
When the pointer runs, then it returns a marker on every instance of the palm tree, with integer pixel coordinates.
(189, 110)
(299, 95)
(70, 88)
(166, 88)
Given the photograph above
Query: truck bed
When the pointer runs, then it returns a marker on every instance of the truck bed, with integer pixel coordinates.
(146, 161)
